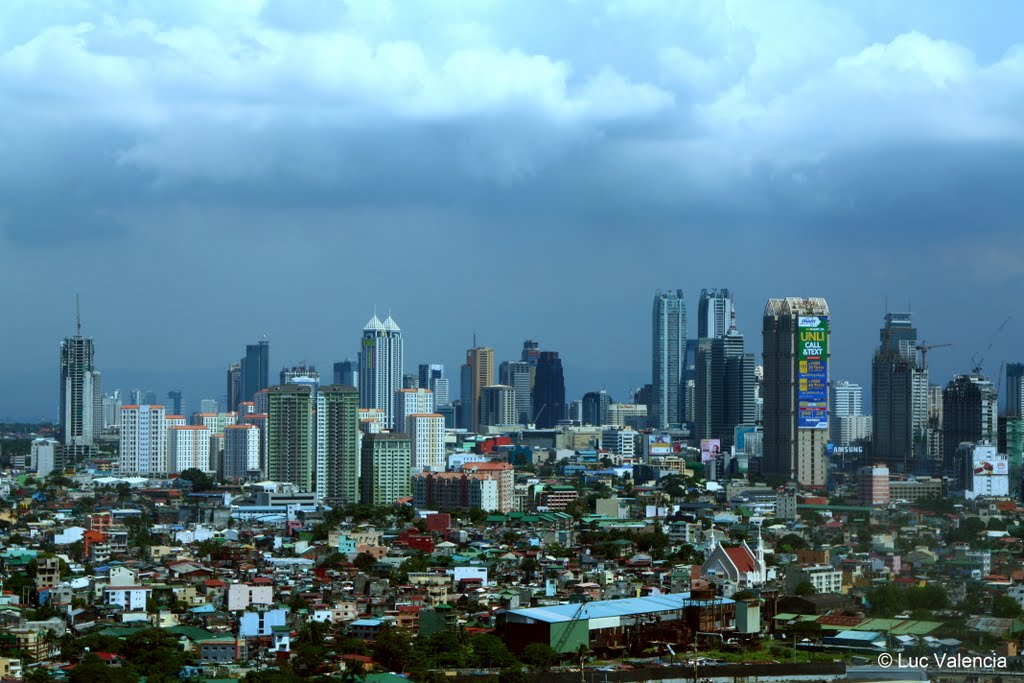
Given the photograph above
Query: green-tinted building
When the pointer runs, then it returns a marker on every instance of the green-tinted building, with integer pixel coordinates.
(386, 468)
(291, 444)
(337, 469)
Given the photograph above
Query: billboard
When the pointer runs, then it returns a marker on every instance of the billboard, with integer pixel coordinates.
(660, 444)
(812, 372)
(989, 464)
(710, 449)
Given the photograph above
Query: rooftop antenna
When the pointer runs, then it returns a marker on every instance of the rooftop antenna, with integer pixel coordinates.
(78, 317)
(474, 339)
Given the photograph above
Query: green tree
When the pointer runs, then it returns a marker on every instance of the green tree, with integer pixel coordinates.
(93, 669)
(886, 600)
(200, 480)
(537, 655)
(491, 652)
(364, 561)
(155, 653)
(393, 648)
(1005, 607)
(804, 588)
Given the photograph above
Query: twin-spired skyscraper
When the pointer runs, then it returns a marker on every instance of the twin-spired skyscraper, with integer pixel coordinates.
(380, 368)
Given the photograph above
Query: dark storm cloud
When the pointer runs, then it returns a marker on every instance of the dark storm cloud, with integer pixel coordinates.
(528, 169)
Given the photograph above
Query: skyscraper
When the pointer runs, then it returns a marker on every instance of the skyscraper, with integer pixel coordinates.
(241, 452)
(519, 376)
(846, 419)
(346, 372)
(497, 405)
(300, 374)
(481, 374)
(969, 415)
(796, 359)
(899, 396)
(291, 442)
(386, 467)
(380, 367)
(1015, 389)
(234, 387)
(255, 369)
(548, 391)
(668, 356)
(143, 439)
(724, 386)
(595, 407)
(175, 403)
(338, 457)
(714, 313)
(411, 402)
(77, 392)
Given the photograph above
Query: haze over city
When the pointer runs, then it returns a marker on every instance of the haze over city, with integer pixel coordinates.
(205, 174)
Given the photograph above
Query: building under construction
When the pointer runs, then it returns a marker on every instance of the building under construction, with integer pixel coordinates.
(621, 627)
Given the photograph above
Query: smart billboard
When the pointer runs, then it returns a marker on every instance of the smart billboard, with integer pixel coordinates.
(812, 372)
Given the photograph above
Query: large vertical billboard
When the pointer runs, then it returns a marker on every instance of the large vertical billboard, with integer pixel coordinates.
(812, 372)
(710, 449)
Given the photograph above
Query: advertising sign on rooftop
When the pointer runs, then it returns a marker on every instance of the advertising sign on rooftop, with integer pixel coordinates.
(812, 372)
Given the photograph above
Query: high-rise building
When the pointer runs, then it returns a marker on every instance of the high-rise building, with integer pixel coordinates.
(97, 403)
(935, 447)
(301, 374)
(255, 369)
(143, 439)
(44, 454)
(346, 372)
(291, 442)
(519, 376)
(481, 374)
(337, 457)
(431, 376)
(410, 381)
(175, 404)
(531, 352)
(242, 446)
(846, 400)
(439, 385)
(386, 472)
(411, 402)
(796, 360)
(714, 313)
(595, 408)
(724, 386)
(112, 410)
(77, 392)
(899, 396)
(548, 391)
(668, 358)
(1015, 389)
(969, 414)
(426, 434)
(189, 447)
(234, 387)
(209, 405)
(380, 367)
(497, 405)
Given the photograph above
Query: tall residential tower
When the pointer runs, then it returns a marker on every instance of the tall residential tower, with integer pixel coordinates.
(668, 354)
(795, 386)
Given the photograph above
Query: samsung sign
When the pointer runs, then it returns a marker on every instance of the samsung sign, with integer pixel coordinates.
(845, 450)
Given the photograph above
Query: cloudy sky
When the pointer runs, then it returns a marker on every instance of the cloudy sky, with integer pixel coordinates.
(203, 173)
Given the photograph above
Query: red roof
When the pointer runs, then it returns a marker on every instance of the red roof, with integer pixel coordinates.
(742, 558)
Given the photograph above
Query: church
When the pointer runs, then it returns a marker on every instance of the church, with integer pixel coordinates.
(736, 568)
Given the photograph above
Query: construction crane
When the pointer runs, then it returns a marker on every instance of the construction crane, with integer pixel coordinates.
(924, 348)
(999, 380)
(976, 362)
(576, 616)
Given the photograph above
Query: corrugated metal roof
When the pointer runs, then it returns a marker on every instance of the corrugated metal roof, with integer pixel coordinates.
(599, 609)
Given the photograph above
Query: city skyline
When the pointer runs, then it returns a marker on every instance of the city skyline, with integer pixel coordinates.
(575, 386)
(863, 154)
